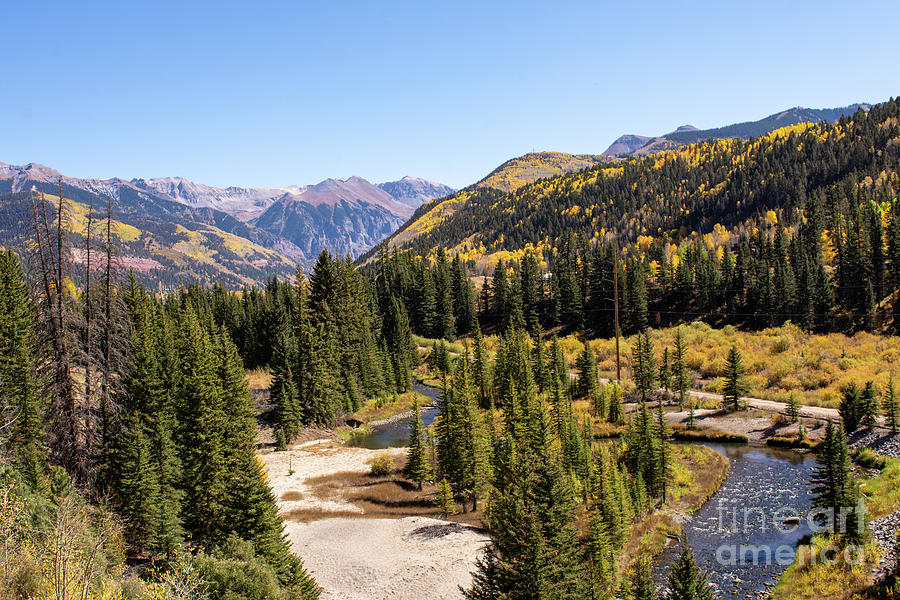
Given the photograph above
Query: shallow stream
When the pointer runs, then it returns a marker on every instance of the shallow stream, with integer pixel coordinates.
(746, 535)
(396, 433)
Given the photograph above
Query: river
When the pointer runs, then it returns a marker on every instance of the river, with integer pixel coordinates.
(736, 536)
(396, 433)
(740, 537)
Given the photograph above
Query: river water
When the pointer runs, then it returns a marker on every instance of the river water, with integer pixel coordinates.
(743, 537)
(396, 433)
(740, 537)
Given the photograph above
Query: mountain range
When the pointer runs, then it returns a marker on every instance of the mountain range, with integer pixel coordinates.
(174, 229)
(179, 229)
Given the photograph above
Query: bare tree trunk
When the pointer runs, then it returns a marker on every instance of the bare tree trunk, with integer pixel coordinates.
(73, 454)
(88, 310)
(45, 269)
(107, 345)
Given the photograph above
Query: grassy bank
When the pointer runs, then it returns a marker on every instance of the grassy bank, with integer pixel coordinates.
(697, 473)
(794, 443)
(708, 435)
(379, 410)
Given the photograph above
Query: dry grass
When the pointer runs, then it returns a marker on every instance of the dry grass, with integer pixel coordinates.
(882, 492)
(814, 580)
(259, 379)
(387, 496)
(698, 472)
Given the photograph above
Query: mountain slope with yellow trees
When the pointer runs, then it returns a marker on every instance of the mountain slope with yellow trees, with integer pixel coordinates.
(800, 224)
(530, 167)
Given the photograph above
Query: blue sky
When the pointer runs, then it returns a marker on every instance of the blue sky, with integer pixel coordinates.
(273, 94)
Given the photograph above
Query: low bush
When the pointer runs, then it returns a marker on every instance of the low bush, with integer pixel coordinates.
(796, 443)
(231, 578)
(868, 459)
(382, 466)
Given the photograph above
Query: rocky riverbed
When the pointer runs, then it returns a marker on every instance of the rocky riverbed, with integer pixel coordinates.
(884, 530)
(880, 440)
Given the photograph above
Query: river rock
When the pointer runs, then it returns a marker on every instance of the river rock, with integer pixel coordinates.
(880, 440)
(884, 530)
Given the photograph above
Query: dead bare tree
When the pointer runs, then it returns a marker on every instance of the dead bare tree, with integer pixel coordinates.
(59, 320)
(114, 345)
(88, 353)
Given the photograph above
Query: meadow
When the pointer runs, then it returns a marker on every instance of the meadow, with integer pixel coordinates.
(779, 361)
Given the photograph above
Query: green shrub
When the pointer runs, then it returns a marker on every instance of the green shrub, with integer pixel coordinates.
(791, 442)
(382, 466)
(782, 344)
(868, 459)
(235, 579)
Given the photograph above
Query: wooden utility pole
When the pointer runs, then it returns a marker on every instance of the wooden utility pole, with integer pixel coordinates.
(616, 299)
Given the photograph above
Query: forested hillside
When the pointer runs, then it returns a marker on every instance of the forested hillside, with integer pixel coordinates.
(802, 224)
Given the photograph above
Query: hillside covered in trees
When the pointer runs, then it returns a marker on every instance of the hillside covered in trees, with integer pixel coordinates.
(802, 224)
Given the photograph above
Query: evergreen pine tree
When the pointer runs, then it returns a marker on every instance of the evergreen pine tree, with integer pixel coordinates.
(851, 408)
(586, 363)
(663, 458)
(201, 424)
(138, 486)
(831, 479)
(615, 413)
(643, 365)
(793, 408)
(283, 390)
(539, 363)
(665, 373)
(601, 565)
(18, 385)
(558, 359)
(735, 384)
(446, 325)
(249, 507)
(445, 500)
(480, 373)
(686, 580)
(869, 406)
(642, 586)
(418, 467)
(681, 377)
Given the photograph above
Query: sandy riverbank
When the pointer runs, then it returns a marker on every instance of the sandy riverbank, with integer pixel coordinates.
(353, 556)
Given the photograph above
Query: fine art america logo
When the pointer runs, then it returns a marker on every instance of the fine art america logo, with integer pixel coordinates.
(787, 520)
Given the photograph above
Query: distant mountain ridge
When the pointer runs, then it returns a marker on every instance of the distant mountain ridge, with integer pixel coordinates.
(348, 216)
(243, 203)
(414, 192)
(181, 230)
(638, 145)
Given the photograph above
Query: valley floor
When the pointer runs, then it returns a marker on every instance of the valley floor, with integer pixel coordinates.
(352, 551)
